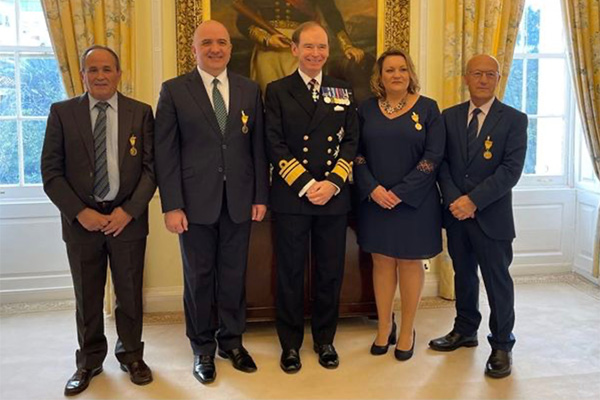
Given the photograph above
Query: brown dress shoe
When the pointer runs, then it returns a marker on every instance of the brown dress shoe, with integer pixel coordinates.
(139, 372)
(80, 380)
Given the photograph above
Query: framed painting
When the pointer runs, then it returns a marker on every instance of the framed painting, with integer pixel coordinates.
(260, 33)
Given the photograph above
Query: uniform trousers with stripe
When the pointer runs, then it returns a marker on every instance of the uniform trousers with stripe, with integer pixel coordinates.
(88, 262)
(327, 237)
(215, 258)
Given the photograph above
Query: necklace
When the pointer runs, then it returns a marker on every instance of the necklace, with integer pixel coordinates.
(387, 107)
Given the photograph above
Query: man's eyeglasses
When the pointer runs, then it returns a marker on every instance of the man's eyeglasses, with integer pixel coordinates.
(488, 74)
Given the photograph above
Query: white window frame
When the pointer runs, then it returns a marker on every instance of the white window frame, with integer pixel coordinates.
(22, 192)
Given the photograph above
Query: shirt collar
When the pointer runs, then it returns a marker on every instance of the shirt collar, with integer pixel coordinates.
(208, 78)
(485, 108)
(112, 102)
(307, 78)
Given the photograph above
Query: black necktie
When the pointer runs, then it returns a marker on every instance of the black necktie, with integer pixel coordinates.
(101, 184)
(472, 133)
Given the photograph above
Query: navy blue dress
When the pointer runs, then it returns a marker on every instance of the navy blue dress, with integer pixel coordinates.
(402, 155)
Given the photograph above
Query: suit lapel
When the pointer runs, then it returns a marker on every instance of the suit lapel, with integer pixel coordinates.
(462, 116)
(125, 116)
(198, 92)
(235, 101)
(84, 124)
(491, 120)
(301, 94)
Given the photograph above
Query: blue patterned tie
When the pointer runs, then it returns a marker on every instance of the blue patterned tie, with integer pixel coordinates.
(219, 106)
(101, 184)
(472, 134)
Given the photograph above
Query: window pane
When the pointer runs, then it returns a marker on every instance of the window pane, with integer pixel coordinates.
(531, 100)
(41, 85)
(32, 24)
(513, 95)
(8, 97)
(545, 151)
(9, 153)
(531, 26)
(551, 37)
(33, 139)
(8, 25)
(551, 91)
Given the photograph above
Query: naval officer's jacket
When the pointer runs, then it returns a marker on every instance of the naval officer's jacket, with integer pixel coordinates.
(310, 140)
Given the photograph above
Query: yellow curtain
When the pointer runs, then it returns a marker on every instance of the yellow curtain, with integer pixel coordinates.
(75, 25)
(474, 27)
(582, 19)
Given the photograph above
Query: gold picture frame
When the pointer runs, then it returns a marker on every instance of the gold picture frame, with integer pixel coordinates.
(393, 27)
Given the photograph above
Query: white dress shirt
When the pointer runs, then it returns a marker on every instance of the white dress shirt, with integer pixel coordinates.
(223, 86)
(112, 142)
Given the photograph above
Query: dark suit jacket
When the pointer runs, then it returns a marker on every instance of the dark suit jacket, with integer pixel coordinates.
(307, 141)
(192, 156)
(488, 183)
(68, 164)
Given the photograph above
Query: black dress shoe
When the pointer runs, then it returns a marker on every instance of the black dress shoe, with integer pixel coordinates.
(139, 372)
(377, 350)
(498, 364)
(403, 355)
(240, 359)
(453, 341)
(328, 357)
(204, 368)
(80, 380)
(290, 361)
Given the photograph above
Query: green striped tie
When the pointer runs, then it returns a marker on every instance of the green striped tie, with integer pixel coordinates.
(219, 106)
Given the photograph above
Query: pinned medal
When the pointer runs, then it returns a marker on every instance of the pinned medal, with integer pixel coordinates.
(415, 118)
(327, 99)
(132, 150)
(487, 154)
(244, 122)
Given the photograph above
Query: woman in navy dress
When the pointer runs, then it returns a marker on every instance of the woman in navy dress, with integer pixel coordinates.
(399, 217)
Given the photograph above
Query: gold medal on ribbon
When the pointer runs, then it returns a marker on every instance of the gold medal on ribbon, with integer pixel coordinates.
(487, 154)
(244, 122)
(415, 118)
(132, 150)
(327, 99)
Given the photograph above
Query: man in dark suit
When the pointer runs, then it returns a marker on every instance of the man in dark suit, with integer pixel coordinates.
(312, 134)
(485, 153)
(213, 178)
(97, 168)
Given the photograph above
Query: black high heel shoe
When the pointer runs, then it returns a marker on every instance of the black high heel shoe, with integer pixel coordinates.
(380, 350)
(403, 355)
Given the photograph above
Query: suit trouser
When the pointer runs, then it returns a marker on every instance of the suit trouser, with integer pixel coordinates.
(215, 259)
(469, 246)
(88, 262)
(328, 243)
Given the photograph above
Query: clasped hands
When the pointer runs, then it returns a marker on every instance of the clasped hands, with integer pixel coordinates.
(463, 208)
(385, 198)
(176, 220)
(112, 224)
(321, 192)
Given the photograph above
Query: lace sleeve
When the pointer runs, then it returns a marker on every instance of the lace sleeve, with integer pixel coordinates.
(426, 166)
(360, 160)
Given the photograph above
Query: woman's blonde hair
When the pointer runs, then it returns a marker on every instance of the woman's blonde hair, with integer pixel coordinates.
(376, 84)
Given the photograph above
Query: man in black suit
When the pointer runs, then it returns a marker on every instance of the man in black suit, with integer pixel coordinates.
(213, 178)
(485, 153)
(312, 135)
(97, 168)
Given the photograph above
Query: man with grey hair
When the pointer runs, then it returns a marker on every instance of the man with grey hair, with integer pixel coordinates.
(97, 168)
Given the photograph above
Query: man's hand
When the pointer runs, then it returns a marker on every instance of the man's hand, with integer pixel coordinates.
(176, 221)
(279, 41)
(463, 208)
(354, 53)
(118, 220)
(320, 192)
(92, 220)
(258, 212)
(385, 198)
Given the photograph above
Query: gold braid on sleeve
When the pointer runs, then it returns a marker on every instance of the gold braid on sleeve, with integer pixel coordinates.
(259, 35)
(344, 40)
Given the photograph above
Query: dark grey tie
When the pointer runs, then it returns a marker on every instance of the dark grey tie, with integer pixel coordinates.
(472, 129)
(101, 184)
(219, 106)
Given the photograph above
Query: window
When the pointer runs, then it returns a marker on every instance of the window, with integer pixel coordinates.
(540, 85)
(29, 83)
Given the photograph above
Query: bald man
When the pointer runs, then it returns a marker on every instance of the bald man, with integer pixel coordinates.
(213, 180)
(485, 153)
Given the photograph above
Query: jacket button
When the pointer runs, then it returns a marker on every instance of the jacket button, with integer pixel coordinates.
(466, 175)
(328, 151)
(306, 137)
(327, 173)
(223, 146)
(328, 162)
(305, 161)
(330, 138)
(220, 169)
(305, 149)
